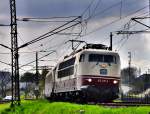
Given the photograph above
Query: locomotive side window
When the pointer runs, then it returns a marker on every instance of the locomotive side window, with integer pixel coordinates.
(102, 58)
(82, 58)
(66, 63)
(66, 68)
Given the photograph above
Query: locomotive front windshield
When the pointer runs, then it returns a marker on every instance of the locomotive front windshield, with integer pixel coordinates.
(102, 58)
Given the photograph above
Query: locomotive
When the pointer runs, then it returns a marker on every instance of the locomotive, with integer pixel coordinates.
(89, 74)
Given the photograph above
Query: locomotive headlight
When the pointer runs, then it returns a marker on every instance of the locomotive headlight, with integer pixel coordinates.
(115, 81)
(89, 80)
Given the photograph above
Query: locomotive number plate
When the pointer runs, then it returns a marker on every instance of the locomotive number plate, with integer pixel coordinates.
(103, 71)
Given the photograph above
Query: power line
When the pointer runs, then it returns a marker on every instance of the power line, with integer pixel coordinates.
(122, 44)
(9, 64)
(71, 34)
(42, 18)
(4, 53)
(114, 21)
(38, 59)
(103, 11)
(90, 16)
(48, 33)
(65, 51)
(129, 26)
(23, 41)
(117, 21)
(5, 63)
(48, 21)
(90, 4)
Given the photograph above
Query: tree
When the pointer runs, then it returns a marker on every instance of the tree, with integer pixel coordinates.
(128, 75)
(42, 79)
(29, 79)
(5, 79)
(142, 83)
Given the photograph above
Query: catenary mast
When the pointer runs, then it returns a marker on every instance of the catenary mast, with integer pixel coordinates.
(14, 55)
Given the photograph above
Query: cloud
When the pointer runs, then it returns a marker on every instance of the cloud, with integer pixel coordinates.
(50, 8)
(47, 8)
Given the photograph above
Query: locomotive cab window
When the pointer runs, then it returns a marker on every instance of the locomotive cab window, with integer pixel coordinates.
(102, 58)
(82, 58)
(95, 58)
(109, 59)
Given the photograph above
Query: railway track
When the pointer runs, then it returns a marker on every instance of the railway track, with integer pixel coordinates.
(2, 102)
(122, 104)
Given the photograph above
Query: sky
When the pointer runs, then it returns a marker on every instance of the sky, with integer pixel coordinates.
(99, 18)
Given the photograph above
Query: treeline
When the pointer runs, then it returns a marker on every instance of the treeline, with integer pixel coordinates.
(132, 77)
(33, 84)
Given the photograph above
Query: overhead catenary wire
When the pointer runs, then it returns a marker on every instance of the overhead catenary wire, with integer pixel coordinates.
(48, 33)
(63, 43)
(114, 5)
(38, 59)
(114, 21)
(71, 34)
(117, 19)
(34, 61)
(125, 31)
(42, 18)
(5, 63)
(103, 11)
(90, 4)
(9, 64)
(130, 22)
(93, 12)
(123, 43)
(69, 46)
(69, 17)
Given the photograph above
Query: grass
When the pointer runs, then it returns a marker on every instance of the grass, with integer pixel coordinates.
(4, 106)
(44, 107)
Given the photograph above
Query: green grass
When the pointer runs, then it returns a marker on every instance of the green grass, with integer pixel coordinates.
(44, 107)
(4, 106)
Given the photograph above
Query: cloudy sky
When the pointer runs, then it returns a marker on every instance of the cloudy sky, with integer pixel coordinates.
(99, 18)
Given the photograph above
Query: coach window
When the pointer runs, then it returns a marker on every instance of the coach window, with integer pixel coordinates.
(82, 58)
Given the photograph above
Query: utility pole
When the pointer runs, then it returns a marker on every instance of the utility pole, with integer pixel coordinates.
(36, 91)
(149, 7)
(37, 72)
(15, 56)
(129, 56)
(111, 36)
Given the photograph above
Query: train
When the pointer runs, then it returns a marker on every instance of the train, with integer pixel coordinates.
(91, 73)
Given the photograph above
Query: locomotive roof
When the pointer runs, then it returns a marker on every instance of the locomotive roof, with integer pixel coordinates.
(97, 50)
(95, 46)
(80, 51)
